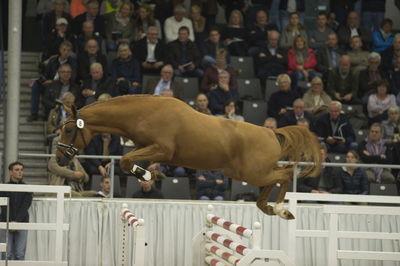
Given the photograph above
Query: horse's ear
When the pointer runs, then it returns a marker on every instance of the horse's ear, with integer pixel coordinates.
(74, 112)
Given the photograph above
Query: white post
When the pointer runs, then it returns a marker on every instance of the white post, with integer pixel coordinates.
(291, 232)
(139, 244)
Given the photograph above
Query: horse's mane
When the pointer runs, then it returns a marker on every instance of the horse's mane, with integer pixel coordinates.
(119, 98)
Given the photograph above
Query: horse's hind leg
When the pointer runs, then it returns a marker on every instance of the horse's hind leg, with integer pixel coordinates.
(281, 176)
(149, 153)
(262, 202)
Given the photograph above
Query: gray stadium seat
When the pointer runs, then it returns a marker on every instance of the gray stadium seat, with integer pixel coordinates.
(176, 188)
(110, 57)
(239, 187)
(361, 134)
(243, 65)
(190, 87)
(255, 112)
(249, 89)
(337, 157)
(132, 185)
(383, 189)
(146, 78)
(270, 87)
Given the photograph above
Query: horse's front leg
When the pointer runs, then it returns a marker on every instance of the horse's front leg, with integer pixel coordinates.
(262, 201)
(153, 153)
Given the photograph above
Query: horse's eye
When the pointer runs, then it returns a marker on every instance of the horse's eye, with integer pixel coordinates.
(68, 131)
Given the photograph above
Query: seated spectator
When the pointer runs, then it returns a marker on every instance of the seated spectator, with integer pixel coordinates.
(370, 76)
(355, 180)
(172, 25)
(229, 6)
(210, 185)
(394, 79)
(319, 35)
(291, 117)
(91, 55)
(258, 33)
(351, 29)
(383, 38)
(55, 91)
(358, 57)
(271, 123)
(126, 69)
(343, 82)
(73, 175)
(316, 100)
(91, 14)
(199, 23)
(210, 48)
(105, 185)
(282, 99)
(327, 182)
(150, 51)
(201, 104)
(97, 84)
(59, 35)
(301, 60)
(372, 13)
(87, 34)
(373, 150)
(105, 145)
(147, 191)
(120, 26)
(49, 75)
(287, 8)
(272, 59)
(210, 78)
(167, 170)
(335, 129)
(332, 22)
(328, 56)
(59, 113)
(304, 122)
(392, 125)
(235, 35)
(144, 20)
(230, 111)
(156, 86)
(222, 93)
(390, 55)
(292, 30)
(49, 20)
(379, 102)
(185, 63)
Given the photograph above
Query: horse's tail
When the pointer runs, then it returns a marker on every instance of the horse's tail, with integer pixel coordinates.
(300, 144)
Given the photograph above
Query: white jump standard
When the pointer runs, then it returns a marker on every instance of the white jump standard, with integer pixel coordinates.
(222, 242)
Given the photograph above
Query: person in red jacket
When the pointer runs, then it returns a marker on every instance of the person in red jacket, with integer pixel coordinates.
(301, 60)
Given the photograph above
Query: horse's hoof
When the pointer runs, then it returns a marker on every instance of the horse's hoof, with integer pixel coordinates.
(286, 214)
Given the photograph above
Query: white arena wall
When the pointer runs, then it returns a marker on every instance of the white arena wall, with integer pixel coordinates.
(94, 237)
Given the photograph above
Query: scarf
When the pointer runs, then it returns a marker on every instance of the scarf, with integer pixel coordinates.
(301, 56)
(376, 149)
(121, 20)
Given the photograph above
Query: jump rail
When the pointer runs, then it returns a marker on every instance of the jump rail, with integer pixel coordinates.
(129, 219)
(222, 242)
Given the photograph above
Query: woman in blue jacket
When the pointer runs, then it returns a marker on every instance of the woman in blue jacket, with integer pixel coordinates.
(355, 180)
(383, 38)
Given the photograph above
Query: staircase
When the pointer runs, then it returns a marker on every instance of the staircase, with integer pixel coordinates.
(31, 134)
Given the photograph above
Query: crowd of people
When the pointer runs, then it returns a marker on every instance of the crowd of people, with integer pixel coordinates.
(94, 50)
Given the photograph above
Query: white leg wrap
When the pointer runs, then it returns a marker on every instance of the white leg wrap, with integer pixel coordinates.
(279, 207)
(140, 172)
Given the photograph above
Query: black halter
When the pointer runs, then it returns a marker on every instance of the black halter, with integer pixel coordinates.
(68, 150)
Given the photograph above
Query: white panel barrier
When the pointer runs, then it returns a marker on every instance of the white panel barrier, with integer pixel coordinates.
(58, 226)
(333, 234)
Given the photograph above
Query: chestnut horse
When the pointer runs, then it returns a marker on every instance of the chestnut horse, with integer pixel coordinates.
(167, 130)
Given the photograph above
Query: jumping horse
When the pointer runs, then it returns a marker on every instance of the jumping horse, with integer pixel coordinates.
(169, 131)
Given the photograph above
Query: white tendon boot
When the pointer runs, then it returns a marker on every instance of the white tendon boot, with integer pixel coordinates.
(141, 173)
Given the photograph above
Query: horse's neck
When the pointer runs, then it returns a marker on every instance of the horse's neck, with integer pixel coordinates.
(104, 119)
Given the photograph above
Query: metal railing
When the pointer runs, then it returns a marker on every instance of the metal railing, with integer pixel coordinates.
(113, 159)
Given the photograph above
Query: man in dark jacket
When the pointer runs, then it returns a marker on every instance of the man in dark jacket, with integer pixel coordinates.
(150, 52)
(335, 129)
(88, 57)
(328, 181)
(210, 185)
(147, 191)
(19, 203)
(184, 55)
(291, 117)
(352, 28)
(91, 14)
(390, 54)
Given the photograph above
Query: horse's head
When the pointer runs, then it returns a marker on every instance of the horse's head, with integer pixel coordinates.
(73, 138)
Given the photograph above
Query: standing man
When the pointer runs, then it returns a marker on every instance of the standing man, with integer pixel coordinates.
(19, 203)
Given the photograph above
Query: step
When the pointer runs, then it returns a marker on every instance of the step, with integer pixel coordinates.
(25, 54)
(31, 129)
(25, 66)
